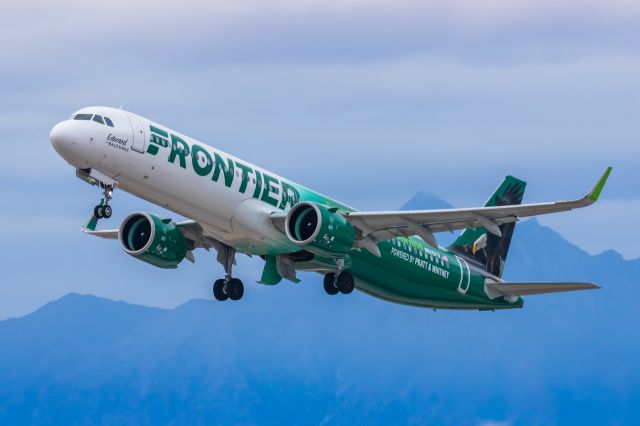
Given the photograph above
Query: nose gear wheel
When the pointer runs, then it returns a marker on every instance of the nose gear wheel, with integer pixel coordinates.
(103, 210)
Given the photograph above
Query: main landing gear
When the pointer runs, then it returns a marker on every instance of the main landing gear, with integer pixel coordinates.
(227, 287)
(103, 210)
(342, 282)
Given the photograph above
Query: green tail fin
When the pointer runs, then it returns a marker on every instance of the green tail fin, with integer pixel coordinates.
(484, 248)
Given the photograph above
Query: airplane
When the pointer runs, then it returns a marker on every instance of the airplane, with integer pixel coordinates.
(235, 207)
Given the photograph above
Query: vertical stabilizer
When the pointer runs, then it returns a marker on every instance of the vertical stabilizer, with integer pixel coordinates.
(485, 248)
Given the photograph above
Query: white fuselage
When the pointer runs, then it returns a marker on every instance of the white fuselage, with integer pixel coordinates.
(231, 209)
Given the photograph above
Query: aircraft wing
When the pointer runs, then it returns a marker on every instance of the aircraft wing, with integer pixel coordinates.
(190, 229)
(380, 226)
(525, 289)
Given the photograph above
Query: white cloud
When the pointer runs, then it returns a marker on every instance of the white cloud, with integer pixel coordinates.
(389, 119)
(337, 29)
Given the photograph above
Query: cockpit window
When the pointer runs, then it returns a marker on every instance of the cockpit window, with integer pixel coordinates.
(97, 118)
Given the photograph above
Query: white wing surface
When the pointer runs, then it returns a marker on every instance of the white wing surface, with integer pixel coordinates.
(380, 226)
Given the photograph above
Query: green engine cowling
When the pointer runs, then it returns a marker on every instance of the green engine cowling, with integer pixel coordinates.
(319, 229)
(152, 239)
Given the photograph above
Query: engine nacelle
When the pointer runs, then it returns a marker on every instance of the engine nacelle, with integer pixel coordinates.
(152, 239)
(319, 229)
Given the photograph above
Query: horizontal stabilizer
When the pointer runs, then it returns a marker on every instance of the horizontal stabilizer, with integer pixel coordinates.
(525, 289)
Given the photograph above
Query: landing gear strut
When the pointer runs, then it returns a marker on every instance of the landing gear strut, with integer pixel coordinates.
(228, 287)
(342, 282)
(103, 210)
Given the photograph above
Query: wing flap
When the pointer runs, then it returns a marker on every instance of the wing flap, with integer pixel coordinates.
(527, 289)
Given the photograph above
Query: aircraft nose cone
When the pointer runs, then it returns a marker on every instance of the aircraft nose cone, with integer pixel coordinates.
(60, 136)
(56, 135)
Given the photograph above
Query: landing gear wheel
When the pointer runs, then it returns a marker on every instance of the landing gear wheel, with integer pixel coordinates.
(218, 291)
(235, 289)
(345, 283)
(227, 288)
(106, 211)
(103, 210)
(330, 284)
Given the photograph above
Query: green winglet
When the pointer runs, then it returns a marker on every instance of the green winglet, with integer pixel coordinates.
(92, 222)
(597, 190)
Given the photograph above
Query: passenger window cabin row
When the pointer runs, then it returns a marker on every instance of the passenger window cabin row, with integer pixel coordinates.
(97, 118)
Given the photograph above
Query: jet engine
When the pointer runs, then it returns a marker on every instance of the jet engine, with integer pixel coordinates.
(320, 229)
(152, 239)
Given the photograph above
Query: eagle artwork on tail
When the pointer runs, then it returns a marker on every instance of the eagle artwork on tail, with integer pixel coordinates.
(483, 247)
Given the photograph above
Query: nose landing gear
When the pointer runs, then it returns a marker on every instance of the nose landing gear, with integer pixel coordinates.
(100, 211)
(103, 210)
(107, 184)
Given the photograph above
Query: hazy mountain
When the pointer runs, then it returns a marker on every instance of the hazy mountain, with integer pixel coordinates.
(307, 358)
(423, 200)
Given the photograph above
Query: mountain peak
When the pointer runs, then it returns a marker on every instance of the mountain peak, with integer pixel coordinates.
(423, 200)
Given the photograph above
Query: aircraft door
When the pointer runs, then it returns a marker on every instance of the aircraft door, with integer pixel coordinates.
(138, 132)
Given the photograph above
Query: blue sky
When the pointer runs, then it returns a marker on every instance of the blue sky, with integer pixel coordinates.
(368, 101)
